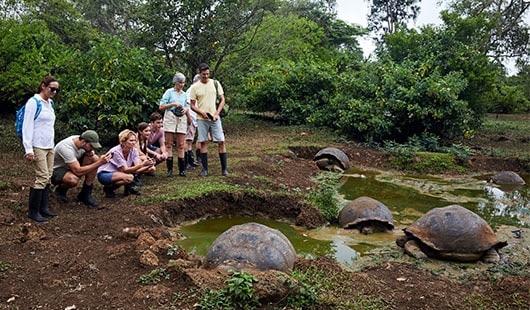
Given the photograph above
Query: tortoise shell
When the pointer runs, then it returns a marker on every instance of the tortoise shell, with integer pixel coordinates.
(334, 156)
(365, 211)
(454, 232)
(508, 178)
(251, 245)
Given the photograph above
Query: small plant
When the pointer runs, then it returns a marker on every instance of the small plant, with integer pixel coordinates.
(239, 294)
(4, 266)
(155, 276)
(173, 249)
(324, 198)
(307, 294)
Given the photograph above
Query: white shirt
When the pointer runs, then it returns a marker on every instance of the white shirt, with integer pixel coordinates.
(38, 132)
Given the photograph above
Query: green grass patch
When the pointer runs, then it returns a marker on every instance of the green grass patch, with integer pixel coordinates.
(184, 189)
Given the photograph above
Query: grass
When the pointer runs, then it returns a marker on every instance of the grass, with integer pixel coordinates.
(514, 128)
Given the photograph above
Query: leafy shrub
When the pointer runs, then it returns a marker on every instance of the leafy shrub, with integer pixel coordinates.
(239, 294)
(155, 276)
(125, 91)
(324, 198)
(26, 56)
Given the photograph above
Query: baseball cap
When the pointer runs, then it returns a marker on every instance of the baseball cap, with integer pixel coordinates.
(91, 137)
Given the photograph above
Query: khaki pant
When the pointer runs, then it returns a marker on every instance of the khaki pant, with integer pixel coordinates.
(43, 165)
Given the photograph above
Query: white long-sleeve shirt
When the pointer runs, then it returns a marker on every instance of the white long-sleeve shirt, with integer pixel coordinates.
(38, 132)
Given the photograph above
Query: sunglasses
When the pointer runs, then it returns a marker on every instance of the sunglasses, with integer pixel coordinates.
(54, 90)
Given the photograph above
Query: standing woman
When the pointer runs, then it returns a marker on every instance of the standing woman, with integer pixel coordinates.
(175, 104)
(38, 140)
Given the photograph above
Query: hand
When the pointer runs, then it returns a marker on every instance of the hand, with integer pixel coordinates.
(30, 157)
(106, 158)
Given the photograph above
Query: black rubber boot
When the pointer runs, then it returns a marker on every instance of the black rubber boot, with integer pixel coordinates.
(182, 167)
(60, 193)
(35, 197)
(192, 160)
(188, 160)
(198, 154)
(85, 196)
(222, 158)
(44, 210)
(129, 189)
(204, 160)
(109, 190)
(169, 163)
(137, 181)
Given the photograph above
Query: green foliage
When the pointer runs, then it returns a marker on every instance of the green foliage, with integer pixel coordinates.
(298, 91)
(173, 249)
(307, 294)
(324, 198)
(391, 101)
(28, 52)
(4, 266)
(237, 295)
(125, 91)
(155, 276)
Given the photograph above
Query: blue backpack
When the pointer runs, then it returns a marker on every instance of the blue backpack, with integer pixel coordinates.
(20, 116)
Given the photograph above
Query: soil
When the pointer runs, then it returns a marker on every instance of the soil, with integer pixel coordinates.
(95, 258)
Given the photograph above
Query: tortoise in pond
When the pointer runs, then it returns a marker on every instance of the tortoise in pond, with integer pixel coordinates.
(452, 233)
(251, 245)
(332, 159)
(508, 178)
(367, 215)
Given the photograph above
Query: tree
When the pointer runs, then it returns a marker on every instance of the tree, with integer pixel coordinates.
(189, 32)
(28, 51)
(386, 15)
(495, 27)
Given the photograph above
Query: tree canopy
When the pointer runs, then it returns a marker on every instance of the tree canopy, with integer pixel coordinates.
(292, 58)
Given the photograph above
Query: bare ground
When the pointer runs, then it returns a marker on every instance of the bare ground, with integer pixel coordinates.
(94, 258)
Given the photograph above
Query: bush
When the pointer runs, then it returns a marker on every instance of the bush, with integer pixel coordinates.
(125, 91)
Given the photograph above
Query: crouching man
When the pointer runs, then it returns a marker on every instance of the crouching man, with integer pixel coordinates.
(75, 158)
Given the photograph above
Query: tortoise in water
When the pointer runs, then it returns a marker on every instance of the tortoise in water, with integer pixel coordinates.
(251, 245)
(451, 233)
(332, 159)
(508, 178)
(367, 215)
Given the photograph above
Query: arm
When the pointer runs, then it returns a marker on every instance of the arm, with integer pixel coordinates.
(27, 128)
(79, 170)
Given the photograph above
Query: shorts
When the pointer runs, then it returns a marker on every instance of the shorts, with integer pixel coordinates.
(105, 177)
(215, 128)
(175, 124)
(58, 175)
(190, 134)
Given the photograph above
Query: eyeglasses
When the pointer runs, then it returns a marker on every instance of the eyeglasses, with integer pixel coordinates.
(54, 90)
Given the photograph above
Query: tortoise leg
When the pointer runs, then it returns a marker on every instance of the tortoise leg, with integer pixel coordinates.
(491, 256)
(412, 249)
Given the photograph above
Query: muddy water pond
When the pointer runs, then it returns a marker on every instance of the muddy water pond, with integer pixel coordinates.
(408, 198)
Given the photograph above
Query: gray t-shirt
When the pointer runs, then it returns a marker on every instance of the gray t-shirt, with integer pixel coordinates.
(66, 152)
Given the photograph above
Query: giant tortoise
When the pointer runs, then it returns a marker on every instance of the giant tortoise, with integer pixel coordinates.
(251, 246)
(451, 233)
(367, 215)
(508, 178)
(332, 159)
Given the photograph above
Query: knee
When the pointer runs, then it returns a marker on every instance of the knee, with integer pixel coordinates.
(128, 178)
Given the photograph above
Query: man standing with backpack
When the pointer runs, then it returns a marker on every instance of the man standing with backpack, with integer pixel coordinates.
(203, 97)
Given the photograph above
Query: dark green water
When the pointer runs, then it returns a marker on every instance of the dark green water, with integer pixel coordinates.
(407, 197)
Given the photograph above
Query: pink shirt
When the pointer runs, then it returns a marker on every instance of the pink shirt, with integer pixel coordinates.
(118, 160)
(157, 136)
